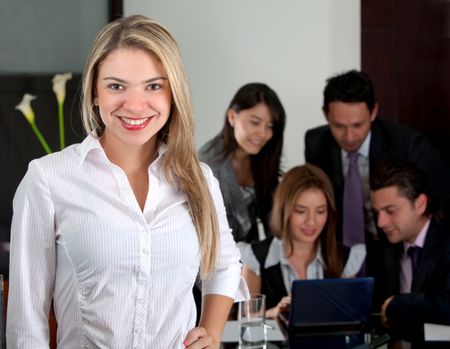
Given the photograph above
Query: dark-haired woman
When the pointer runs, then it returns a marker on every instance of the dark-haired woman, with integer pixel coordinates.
(245, 158)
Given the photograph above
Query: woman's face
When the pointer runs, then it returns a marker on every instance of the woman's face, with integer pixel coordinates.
(134, 97)
(253, 127)
(308, 216)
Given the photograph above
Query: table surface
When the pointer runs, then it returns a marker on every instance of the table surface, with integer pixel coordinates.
(278, 339)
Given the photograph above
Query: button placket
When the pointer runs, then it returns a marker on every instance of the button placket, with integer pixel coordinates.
(142, 289)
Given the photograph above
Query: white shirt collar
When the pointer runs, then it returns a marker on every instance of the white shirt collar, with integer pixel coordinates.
(276, 255)
(363, 149)
(92, 144)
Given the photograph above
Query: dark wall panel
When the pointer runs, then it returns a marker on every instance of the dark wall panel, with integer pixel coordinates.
(406, 50)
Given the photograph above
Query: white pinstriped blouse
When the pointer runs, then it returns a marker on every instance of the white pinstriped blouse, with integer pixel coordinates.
(119, 277)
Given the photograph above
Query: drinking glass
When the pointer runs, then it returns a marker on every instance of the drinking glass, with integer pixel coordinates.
(252, 319)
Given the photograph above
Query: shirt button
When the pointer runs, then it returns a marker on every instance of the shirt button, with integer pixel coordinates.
(145, 251)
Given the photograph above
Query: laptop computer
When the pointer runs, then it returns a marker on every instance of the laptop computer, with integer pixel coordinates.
(329, 306)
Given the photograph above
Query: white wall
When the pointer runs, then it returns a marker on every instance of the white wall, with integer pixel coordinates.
(291, 45)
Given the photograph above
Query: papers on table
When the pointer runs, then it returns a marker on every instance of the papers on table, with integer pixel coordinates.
(434, 332)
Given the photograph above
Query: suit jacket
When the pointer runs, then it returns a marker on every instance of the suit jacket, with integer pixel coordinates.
(389, 140)
(429, 300)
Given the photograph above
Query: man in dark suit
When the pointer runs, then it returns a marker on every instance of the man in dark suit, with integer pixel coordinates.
(418, 290)
(353, 127)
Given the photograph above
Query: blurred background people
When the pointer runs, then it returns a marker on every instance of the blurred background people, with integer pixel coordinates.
(245, 157)
(417, 283)
(303, 220)
(353, 142)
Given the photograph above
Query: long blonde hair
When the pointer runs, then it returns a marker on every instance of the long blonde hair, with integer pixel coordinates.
(180, 163)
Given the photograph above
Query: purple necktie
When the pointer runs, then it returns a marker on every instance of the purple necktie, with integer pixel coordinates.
(353, 216)
(414, 254)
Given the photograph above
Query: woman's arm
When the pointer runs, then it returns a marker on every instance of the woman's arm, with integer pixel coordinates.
(254, 285)
(32, 263)
(252, 279)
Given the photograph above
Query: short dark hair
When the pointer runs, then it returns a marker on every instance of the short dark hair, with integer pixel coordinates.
(349, 87)
(407, 177)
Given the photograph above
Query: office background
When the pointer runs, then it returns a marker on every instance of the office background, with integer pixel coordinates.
(292, 45)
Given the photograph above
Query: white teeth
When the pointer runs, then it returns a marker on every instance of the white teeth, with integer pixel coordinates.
(134, 122)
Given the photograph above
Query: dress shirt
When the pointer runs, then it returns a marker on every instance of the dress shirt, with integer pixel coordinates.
(406, 274)
(119, 277)
(314, 270)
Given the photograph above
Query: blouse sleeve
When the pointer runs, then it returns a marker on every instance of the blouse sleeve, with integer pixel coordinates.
(248, 257)
(355, 260)
(32, 263)
(226, 279)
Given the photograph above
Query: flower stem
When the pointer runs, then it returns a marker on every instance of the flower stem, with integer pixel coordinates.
(62, 142)
(40, 137)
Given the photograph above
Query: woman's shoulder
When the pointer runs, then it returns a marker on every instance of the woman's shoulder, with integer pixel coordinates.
(60, 159)
(42, 173)
(211, 151)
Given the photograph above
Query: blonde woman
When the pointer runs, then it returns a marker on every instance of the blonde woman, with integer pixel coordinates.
(115, 230)
(303, 220)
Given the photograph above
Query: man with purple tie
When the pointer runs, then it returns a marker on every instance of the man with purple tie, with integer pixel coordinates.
(352, 142)
(417, 286)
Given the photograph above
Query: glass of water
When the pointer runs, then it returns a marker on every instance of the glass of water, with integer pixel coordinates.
(252, 319)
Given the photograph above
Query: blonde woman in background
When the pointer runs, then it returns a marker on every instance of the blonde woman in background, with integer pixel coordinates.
(303, 221)
(114, 230)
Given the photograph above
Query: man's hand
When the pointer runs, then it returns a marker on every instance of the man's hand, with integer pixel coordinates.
(384, 319)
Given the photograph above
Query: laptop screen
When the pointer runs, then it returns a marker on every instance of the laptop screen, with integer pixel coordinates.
(337, 304)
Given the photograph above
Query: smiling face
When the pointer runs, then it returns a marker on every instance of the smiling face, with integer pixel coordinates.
(253, 127)
(133, 96)
(397, 216)
(350, 123)
(308, 216)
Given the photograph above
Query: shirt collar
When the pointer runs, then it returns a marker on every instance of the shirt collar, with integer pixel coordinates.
(92, 144)
(420, 239)
(276, 255)
(363, 149)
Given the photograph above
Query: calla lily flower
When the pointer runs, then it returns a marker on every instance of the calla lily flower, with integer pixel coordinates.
(59, 86)
(25, 107)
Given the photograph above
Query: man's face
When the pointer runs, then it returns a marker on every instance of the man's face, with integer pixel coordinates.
(350, 123)
(397, 216)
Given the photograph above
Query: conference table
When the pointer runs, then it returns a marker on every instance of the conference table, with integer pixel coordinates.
(278, 338)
